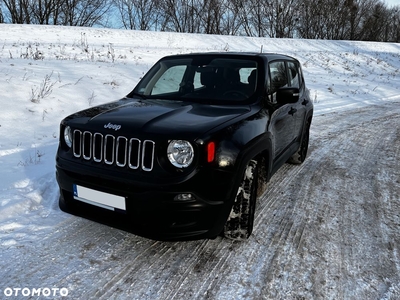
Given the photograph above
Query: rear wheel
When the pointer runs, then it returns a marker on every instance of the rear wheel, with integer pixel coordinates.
(301, 154)
(239, 225)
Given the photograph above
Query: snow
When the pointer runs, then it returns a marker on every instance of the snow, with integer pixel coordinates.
(49, 72)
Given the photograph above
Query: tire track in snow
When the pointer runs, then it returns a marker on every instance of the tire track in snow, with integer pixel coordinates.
(327, 229)
(195, 256)
(292, 230)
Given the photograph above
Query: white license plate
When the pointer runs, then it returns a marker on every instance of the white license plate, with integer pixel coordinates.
(101, 199)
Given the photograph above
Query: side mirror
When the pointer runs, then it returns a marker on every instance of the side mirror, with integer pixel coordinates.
(286, 95)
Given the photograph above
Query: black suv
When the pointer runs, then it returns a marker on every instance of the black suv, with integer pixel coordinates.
(184, 155)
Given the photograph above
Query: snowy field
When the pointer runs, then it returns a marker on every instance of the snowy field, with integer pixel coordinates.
(328, 229)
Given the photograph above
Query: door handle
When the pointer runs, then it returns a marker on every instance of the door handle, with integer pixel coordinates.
(292, 111)
(305, 102)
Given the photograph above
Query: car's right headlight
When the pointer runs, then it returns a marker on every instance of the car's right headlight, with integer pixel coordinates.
(68, 136)
(180, 153)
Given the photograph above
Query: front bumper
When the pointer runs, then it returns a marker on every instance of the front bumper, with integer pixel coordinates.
(152, 210)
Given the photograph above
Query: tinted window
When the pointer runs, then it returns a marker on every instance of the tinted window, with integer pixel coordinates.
(278, 78)
(294, 75)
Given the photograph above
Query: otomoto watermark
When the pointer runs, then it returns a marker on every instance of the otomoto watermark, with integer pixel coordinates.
(32, 292)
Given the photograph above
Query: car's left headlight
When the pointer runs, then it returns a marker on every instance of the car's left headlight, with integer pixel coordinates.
(180, 153)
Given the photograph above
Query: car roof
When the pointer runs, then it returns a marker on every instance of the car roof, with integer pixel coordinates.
(268, 56)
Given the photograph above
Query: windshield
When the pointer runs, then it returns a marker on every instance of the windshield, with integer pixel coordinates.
(209, 79)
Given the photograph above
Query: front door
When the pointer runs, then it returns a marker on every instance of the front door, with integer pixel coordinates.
(282, 117)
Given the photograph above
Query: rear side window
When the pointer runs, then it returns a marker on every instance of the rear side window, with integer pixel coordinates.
(294, 75)
(278, 75)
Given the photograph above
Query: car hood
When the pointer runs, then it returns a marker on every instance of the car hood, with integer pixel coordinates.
(177, 119)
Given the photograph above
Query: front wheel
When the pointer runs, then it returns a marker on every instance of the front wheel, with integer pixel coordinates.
(239, 225)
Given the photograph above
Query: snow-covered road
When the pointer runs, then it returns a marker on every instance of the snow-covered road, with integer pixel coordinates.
(327, 229)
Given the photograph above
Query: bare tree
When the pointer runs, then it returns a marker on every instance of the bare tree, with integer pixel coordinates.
(57, 12)
(333, 19)
(211, 16)
(19, 11)
(281, 18)
(311, 19)
(42, 11)
(82, 13)
(246, 17)
(374, 26)
(231, 22)
(1, 16)
(138, 14)
(394, 25)
(193, 16)
(176, 15)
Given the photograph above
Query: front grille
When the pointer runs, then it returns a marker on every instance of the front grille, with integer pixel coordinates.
(114, 150)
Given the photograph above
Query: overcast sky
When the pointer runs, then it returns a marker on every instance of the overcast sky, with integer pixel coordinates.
(393, 2)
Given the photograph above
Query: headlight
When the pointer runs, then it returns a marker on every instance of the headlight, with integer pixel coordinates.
(180, 153)
(68, 136)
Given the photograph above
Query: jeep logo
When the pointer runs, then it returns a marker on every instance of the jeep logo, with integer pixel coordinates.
(112, 126)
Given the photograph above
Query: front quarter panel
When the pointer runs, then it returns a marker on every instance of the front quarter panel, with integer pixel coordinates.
(244, 138)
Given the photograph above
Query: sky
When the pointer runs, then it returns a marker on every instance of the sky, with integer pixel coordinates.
(392, 2)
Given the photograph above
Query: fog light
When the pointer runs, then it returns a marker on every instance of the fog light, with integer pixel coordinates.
(184, 197)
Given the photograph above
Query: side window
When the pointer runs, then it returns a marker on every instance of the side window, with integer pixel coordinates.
(197, 80)
(245, 74)
(169, 81)
(294, 75)
(301, 75)
(278, 78)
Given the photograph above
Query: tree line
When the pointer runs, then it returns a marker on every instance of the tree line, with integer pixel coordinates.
(365, 20)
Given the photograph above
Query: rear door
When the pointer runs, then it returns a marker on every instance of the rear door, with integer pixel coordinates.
(296, 80)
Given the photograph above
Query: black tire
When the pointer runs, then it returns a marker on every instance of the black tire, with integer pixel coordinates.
(239, 225)
(300, 156)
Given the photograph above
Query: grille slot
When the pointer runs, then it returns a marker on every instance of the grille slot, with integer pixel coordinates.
(134, 153)
(98, 145)
(122, 147)
(87, 145)
(111, 150)
(147, 155)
